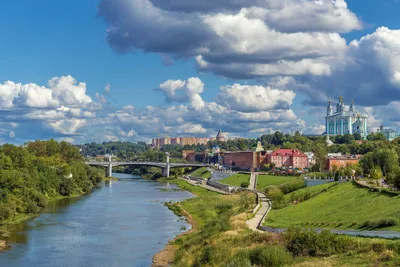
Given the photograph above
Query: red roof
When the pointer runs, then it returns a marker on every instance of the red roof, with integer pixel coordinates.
(288, 152)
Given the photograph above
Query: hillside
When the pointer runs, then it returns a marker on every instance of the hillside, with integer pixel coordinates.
(343, 206)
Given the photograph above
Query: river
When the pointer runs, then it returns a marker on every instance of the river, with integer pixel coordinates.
(120, 224)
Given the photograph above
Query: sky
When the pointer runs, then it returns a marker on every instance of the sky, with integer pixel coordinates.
(132, 70)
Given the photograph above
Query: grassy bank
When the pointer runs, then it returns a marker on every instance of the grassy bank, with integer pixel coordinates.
(264, 180)
(201, 173)
(237, 179)
(221, 238)
(344, 206)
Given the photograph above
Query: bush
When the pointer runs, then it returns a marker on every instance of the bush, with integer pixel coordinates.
(5, 212)
(270, 256)
(291, 186)
(274, 193)
(306, 242)
(383, 223)
(244, 184)
(221, 208)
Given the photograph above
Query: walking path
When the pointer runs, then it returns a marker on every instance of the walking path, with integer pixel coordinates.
(263, 208)
(260, 214)
(253, 181)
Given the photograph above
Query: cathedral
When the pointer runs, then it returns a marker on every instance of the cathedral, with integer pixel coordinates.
(346, 120)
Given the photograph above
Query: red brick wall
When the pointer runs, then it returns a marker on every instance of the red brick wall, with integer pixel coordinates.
(340, 163)
(239, 159)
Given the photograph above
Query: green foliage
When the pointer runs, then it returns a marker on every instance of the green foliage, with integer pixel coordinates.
(320, 152)
(376, 173)
(270, 256)
(306, 242)
(378, 224)
(384, 159)
(38, 172)
(244, 184)
(291, 186)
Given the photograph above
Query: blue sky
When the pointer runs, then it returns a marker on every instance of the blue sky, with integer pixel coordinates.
(45, 39)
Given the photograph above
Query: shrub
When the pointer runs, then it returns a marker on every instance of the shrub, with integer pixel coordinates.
(306, 242)
(270, 256)
(274, 193)
(221, 208)
(5, 212)
(291, 186)
(383, 223)
(241, 259)
(244, 184)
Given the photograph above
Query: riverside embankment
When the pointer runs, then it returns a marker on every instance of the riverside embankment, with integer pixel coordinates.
(122, 224)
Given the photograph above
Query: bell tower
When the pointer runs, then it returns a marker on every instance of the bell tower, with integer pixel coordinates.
(329, 110)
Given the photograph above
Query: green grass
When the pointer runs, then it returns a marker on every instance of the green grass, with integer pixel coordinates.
(313, 191)
(344, 206)
(201, 173)
(236, 179)
(265, 180)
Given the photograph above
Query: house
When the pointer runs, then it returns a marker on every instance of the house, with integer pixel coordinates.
(337, 162)
(288, 158)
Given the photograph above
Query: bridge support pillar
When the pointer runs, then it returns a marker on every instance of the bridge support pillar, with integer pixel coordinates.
(165, 171)
(109, 170)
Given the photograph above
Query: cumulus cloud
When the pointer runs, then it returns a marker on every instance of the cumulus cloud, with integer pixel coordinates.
(60, 91)
(237, 39)
(248, 98)
(238, 109)
(184, 91)
(31, 111)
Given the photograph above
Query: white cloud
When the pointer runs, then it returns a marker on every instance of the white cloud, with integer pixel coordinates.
(107, 88)
(249, 98)
(184, 91)
(68, 126)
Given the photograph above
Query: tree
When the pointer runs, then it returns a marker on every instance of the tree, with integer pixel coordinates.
(320, 154)
(394, 177)
(357, 136)
(376, 173)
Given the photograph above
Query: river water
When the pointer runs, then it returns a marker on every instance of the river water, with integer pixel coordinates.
(120, 224)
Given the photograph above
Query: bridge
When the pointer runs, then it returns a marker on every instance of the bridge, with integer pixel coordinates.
(165, 166)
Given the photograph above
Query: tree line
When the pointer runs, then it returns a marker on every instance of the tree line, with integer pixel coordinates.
(40, 171)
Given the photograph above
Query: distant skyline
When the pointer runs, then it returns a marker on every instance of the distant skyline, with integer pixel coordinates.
(133, 70)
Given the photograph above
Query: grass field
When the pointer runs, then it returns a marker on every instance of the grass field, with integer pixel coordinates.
(312, 191)
(236, 179)
(264, 180)
(221, 238)
(201, 173)
(344, 206)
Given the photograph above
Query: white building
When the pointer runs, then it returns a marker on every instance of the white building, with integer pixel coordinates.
(346, 120)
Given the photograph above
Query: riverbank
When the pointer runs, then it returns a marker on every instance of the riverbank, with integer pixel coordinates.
(222, 238)
(166, 256)
(19, 218)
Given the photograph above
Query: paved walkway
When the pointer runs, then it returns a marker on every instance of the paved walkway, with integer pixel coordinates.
(253, 180)
(263, 210)
(260, 215)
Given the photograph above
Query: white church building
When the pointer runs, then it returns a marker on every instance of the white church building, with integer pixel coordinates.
(346, 120)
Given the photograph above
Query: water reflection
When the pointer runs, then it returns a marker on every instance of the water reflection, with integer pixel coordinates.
(121, 224)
